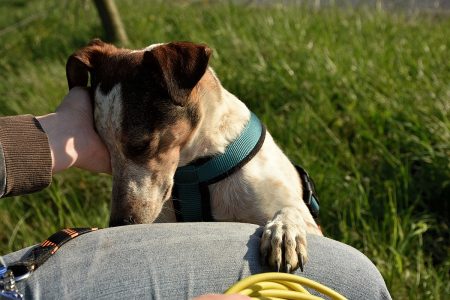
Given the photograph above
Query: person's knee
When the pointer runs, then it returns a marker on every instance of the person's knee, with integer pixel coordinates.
(344, 269)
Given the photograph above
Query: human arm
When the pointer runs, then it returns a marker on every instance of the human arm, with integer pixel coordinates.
(34, 148)
(25, 161)
(72, 137)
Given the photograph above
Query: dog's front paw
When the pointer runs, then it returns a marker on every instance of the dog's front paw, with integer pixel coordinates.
(283, 243)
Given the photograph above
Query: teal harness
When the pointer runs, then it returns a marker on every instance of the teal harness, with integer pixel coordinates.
(190, 194)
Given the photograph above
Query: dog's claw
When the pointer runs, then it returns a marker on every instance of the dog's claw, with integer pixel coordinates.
(278, 266)
(288, 268)
(301, 262)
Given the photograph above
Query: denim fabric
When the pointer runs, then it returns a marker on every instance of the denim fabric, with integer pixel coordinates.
(184, 260)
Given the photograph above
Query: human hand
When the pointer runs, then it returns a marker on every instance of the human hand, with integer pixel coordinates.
(72, 137)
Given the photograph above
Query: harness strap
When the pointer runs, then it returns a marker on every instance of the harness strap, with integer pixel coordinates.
(191, 181)
(40, 253)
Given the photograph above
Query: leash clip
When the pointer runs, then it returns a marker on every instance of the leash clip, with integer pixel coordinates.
(8, 288)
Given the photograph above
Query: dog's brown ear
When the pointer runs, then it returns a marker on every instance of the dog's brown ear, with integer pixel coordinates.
(76, 72)
(181, 65)
(83, 61)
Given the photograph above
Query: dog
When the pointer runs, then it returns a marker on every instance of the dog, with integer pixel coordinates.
(163, 107)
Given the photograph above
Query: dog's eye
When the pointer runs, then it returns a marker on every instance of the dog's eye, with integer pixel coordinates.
(137, 148)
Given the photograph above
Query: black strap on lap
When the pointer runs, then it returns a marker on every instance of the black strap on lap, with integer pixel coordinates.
(40, 253)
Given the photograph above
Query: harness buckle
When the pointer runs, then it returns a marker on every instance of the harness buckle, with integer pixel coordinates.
(310, 196)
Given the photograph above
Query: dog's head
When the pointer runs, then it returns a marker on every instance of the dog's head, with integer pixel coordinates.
(146, 109)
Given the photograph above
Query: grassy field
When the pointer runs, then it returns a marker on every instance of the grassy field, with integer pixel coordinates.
(360, 98)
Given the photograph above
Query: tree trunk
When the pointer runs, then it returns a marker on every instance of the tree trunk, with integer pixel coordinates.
(114, 29)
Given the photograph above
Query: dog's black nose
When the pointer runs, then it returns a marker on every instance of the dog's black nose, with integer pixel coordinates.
(114, 223)
(121, 222)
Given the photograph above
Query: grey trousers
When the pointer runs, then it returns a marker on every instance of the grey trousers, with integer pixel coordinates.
(184, 260)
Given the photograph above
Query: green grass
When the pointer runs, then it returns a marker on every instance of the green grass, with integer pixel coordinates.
(360, 98)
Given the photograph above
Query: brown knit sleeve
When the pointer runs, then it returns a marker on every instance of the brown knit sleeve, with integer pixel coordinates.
(26, 159)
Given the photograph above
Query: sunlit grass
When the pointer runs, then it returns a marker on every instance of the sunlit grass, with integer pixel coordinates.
(360, 98)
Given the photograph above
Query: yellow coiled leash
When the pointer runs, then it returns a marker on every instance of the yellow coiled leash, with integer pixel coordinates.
(280, 286)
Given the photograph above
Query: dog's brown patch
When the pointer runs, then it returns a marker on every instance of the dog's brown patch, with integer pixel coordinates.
(157, 111)
(156, 87)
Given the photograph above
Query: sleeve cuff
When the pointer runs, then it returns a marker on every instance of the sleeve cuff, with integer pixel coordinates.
(26, 156)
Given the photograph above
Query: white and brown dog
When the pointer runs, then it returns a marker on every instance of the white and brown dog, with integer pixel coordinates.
(162, 107)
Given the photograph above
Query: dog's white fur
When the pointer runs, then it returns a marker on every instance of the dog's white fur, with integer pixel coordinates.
(266, 191)
(107, 114)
